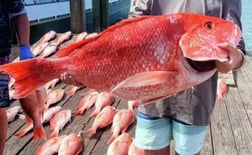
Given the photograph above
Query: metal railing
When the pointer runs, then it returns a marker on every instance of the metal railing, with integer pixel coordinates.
(37, 2)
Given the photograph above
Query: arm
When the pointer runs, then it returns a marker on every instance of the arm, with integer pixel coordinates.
(232, 11)
(21, 23)
(23, 30)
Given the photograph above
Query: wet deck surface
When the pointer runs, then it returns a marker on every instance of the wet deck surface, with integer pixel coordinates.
(230, 130)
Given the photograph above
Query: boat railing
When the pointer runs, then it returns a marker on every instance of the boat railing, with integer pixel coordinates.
(39, 2)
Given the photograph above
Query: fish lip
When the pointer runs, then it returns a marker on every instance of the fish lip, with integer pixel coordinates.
(196, 73)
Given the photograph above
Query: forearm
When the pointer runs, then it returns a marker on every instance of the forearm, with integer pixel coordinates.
(22, 26)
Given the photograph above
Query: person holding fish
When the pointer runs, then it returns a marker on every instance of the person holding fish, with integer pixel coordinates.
(184, 117)
(11, 11)
(168, 62)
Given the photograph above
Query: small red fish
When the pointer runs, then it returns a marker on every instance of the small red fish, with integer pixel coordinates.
(222, 89)
(33, 107)
(50, 147)
(121, 121)
(48, 114)
(49, 50)
(11, 82)
(58, 121)
(86, 102)
(12, 112)
(63, 37)
(91, 35)
(38, 49)
(103, 99)
(47, 36)
(80, 36)
(54, 96)
(51, 84)
(120, 145)
(12, 94)
(70, 145)
(103, 119)
(146, 58)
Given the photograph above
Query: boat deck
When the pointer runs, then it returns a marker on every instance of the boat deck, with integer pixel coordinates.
(230, 130)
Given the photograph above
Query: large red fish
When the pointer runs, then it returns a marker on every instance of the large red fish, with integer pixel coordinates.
(33, 106)
(143, 58)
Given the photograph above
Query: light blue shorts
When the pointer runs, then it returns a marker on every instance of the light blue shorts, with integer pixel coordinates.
(154, 133)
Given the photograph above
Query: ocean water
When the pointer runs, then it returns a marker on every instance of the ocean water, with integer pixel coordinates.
(247, 24)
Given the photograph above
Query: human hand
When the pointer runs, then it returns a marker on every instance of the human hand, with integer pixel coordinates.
(235, 58)
(25, 52)
(67, 78)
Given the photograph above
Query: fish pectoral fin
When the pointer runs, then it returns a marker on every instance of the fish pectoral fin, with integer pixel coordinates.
(146, 79)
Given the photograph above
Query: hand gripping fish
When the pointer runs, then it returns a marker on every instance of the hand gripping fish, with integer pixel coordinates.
(146, 58)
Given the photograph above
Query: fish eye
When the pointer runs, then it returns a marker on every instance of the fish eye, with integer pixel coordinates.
(209, 25)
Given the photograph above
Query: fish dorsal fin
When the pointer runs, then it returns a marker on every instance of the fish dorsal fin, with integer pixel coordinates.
(69, 49)
(125, 22)
(144, 80)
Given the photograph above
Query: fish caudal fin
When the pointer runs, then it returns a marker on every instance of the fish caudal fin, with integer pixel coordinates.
(53, 134)
(92, 130)
(28, 75)
(39, 132)
(95, 113)
(112, 138)
(78, 112)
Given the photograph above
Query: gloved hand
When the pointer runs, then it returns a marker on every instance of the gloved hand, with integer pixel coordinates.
(25, 52)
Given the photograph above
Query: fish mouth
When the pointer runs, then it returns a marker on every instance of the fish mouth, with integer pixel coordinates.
(202, 66)
(198, 71)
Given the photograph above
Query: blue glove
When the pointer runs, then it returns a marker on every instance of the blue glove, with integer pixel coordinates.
(25, 52)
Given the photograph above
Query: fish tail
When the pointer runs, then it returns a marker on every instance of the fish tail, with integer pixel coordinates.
(78, 112)
(21, 133)
(39, 132)
(53, 134)
(92, 130)
(95, 113)
(71, 92)
(112, 138)
(30, 74)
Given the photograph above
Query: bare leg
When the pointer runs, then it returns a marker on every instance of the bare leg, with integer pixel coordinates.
(164, 151)
(3, 129)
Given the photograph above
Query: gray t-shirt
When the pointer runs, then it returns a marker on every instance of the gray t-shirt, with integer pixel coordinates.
(194, 105)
